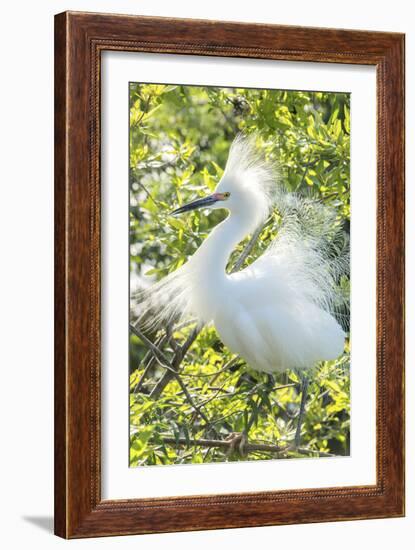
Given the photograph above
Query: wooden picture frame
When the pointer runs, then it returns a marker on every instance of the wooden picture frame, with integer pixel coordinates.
(79, 40)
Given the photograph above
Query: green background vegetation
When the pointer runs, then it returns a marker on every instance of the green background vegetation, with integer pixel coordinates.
(179, 141)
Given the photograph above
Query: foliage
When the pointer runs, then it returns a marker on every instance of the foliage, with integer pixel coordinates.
(179, 140)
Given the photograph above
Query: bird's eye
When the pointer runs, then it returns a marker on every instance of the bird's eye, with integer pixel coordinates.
(226, 195)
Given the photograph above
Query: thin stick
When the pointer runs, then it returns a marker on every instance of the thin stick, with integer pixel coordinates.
(248, 248)
(221, 443)
(156, 351)
(175, 364)
(304, 388)
(248, 447)
(148, 361)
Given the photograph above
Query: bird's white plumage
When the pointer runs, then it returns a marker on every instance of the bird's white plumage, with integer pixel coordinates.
(277, 312)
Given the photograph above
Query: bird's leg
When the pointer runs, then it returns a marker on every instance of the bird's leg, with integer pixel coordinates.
(270, 381)
(269, 384)
(304, 388)
(237, 442)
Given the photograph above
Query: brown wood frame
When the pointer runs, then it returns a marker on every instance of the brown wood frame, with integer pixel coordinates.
(79, 40)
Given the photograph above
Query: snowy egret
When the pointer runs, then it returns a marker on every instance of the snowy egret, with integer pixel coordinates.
(276, 313)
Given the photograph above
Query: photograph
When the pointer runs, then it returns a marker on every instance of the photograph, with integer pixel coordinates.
(239, 275)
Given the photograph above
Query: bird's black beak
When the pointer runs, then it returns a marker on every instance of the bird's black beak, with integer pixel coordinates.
(194, 205)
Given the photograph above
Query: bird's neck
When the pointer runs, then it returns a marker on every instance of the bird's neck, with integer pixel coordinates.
(213, 255)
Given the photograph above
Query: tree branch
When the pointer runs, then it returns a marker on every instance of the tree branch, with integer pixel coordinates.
(175, 364)
(156, 351)
(164, 362)
(148, 362)
(222, 444)
(248, 248)
(247, 448)
(190, 399)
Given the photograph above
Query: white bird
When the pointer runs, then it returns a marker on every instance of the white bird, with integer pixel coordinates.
(276, 313)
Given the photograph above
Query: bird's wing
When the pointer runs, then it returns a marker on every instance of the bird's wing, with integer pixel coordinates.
(309, 255)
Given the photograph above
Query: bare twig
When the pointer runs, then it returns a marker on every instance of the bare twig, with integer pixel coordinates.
(147, 192)
(215, 395)
(175, 364)
(149, 361)
(144, 111)
(248, 248)
(223, 444)
(190, 399)
(164, 362)
(156, 351)
(228, 366)
(248, 447)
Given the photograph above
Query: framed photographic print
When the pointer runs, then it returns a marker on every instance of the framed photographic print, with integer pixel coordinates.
(229, 335)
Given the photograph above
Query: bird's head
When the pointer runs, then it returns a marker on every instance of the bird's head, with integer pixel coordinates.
(213, 201)
(246, 187)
